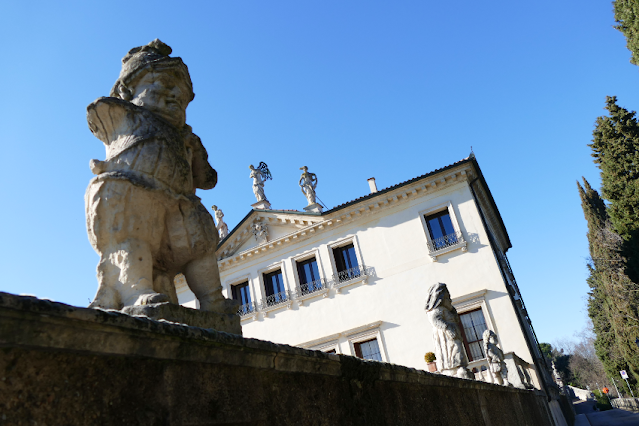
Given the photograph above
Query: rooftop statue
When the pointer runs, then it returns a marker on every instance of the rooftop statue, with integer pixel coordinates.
(260, 175)
(308, 183)
(449, 346)
(143, 217)
(222, 227)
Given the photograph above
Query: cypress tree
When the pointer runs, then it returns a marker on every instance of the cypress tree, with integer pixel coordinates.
(615, 148)
(627, 17)
(610, 299)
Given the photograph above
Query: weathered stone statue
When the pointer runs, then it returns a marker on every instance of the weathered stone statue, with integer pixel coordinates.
(557, 376)
(495, 357)
(449, 346)
(222, 227)
(308, 183)
(143, 217)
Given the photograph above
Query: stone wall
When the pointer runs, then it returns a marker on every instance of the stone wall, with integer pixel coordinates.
(628, 404)
(61, 365)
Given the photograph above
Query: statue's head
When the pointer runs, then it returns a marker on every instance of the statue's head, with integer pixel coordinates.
(438, 295)
(214, 207)
(155, 81)
(489, 337)
(251, 167)
(304, 168)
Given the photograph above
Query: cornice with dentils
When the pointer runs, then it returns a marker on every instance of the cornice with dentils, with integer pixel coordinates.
(365, 206)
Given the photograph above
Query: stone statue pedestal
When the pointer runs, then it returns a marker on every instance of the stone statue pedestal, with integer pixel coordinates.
(227, 322)
(314, 208)
(264, 204)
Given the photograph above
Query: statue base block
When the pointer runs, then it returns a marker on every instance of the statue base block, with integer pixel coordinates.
(226, 322)
(314, 208)
(264, 205)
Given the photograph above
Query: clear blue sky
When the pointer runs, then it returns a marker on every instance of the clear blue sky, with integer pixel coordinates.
(350, 89)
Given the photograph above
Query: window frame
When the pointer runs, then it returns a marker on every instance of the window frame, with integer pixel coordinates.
(263, 306)
(471, 302)
(248, 285)
(298, 282)
(228, 292)
(343, 342)
(461, 244)
(359, 354)
(363, 277)
(373, 331)
(465, 338)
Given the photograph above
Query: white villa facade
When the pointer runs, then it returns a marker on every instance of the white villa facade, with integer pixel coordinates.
(353, 280)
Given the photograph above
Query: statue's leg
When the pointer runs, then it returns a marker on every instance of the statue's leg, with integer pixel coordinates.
(163, 283)
(123, 222)
(203, 278)
(107, 297)
(134, 260)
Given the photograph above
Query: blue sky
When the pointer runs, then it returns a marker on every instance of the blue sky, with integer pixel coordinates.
(351, 89)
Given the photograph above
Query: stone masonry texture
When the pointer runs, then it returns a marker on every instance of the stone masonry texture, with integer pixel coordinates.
(63, 365)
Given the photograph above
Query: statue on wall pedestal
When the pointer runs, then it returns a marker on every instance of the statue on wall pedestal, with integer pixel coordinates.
(495, 357)
(143, 217)
(449, 346)
(222, 227)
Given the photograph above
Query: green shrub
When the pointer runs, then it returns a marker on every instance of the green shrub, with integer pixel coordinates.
(429, 357)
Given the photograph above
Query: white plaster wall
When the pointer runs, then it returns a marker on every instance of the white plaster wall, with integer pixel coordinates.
(393, 241)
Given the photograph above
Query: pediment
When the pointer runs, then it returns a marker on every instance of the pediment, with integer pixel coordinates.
(275, 224)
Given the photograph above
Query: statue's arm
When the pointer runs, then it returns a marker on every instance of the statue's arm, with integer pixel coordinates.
(204, 176)
(437, 319)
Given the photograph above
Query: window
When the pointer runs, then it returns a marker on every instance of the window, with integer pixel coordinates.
(309, 276)
(473, 327)
(441, 230)
(368, 350)
(346, 262)
(242, 293)
(330, 351)
(274, 287)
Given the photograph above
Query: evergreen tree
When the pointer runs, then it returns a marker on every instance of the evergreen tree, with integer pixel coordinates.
(612, 299)
(615, 147)
(627, 17)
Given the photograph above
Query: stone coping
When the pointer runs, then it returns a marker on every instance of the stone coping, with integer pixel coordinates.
(27, 321)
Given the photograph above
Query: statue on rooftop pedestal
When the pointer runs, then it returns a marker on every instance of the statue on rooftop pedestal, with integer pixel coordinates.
(308, 183)
(259, 176)
(222, 227)
(449, 346)
(143, 217)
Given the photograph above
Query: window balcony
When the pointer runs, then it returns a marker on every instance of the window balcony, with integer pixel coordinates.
(445, 244)
(274, 300)
(246, 309)
(351, 276)
(312, 287)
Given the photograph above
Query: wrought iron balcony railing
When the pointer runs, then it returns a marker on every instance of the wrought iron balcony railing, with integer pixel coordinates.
(246, 309)
(445, 241)
(275, 299)
(312, 287)
(351, 274)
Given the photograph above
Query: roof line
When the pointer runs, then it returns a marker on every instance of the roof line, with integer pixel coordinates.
(399, 185)
(470, 159)
(264, 210)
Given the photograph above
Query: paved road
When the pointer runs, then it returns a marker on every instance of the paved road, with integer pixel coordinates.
(613, 417)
